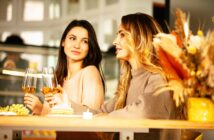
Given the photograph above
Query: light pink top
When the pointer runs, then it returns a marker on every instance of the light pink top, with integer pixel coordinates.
(85, 88)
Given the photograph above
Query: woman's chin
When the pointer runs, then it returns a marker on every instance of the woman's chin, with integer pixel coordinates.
(121, 56)
(118, 56)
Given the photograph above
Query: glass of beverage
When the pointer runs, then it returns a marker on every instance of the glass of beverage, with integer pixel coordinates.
(50, 83)
(29, 82)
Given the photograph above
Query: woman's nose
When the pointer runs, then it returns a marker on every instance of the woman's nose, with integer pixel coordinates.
(115, 41)
(77, 45)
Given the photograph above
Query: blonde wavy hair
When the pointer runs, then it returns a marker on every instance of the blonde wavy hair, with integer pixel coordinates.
(140, 31)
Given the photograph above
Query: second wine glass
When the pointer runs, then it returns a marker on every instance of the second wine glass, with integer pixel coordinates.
(49, 82)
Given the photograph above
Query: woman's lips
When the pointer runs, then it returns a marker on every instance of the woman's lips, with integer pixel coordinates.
(118, 49)
(75, 52)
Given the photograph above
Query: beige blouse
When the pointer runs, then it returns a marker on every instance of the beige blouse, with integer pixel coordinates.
(84, 88)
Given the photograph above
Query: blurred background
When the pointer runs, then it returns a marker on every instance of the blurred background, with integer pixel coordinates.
(40, 24)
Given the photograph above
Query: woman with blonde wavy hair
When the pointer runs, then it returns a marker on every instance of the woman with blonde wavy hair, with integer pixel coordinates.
(135, 50)
(140, 77)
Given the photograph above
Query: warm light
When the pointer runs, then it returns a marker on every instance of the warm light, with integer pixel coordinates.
(38, 10)
(14, 73)
(18, 73)
(33, 37)
(186, 29)
(9, 12)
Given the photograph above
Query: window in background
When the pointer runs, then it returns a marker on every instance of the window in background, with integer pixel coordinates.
(6, 10)
(54, 38)
(91, 4)
(3, 36)
(73, 7)
(109, 32)
(32, 37)
(55, 9)
(95, 26)
(51, 43)
(33, 10)
(52, 60)
(110, 2)
(110, 64)
(54, 42)
(35, 60)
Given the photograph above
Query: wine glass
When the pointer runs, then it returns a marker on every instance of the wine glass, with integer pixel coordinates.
(29, 82)
(50, 83)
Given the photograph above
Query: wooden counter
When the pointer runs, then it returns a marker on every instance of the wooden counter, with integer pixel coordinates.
(102, 123)
(99, 123)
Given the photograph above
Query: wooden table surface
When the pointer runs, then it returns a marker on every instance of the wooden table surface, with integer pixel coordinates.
(99, 123)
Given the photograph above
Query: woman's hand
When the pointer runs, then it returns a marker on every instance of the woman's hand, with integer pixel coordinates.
(33, 102)
(49, 97)
(54, 99)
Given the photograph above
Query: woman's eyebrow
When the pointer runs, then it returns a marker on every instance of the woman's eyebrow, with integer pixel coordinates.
(76, 36)
(85, 38)
(71, 35)
(122, 31)
(119, 31)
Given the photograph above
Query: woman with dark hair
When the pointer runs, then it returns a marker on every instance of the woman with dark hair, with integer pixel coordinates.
(93, 56)
(78, 70)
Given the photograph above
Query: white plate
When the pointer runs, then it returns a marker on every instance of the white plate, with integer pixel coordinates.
(65, 115)
(8, 113)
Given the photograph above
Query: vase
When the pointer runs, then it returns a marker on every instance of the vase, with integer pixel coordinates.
(200, 109)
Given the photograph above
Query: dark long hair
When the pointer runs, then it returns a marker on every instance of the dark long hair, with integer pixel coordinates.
(93, 57)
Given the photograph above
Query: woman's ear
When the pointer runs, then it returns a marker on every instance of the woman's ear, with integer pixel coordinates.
(63, 43)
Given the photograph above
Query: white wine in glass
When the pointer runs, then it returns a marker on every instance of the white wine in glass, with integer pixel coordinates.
(29, 81)
(50, 83)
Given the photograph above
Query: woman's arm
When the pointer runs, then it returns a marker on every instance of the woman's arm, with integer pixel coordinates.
(149, 105)
(93, 90)
(105, 108)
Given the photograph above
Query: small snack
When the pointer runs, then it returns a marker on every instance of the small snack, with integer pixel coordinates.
(61, 110)
(14, 109)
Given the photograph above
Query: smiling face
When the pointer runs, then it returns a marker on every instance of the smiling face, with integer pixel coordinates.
(122, 44)
(76, 44)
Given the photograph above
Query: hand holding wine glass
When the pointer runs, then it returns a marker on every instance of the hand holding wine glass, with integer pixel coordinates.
(50, 85)
(29, 88)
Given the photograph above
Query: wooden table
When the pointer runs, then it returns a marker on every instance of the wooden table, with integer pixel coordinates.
(126, 127)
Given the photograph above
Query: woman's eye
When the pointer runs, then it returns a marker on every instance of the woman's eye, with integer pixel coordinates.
(72, 38)
(85, 41)
(122, 34)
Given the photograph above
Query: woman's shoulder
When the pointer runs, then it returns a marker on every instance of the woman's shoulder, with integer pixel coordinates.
(156, 77)
(90, 67)
(90, 70)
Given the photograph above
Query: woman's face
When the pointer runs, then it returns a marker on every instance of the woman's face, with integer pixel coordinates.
(122, 45)
(76, 44)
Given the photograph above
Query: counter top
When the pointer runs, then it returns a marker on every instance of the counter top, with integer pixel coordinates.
(97, 123)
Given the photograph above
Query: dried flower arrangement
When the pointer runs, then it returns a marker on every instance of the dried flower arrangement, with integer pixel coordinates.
(187, 60)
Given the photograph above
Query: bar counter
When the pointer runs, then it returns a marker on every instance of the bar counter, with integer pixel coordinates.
(101, 123)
